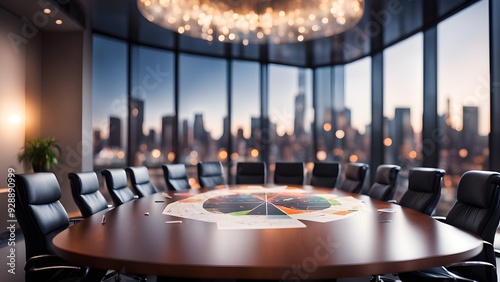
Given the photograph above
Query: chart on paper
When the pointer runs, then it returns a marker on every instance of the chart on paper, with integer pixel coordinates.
(255, 207)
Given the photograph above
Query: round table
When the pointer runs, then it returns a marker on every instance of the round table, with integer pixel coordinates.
(136, 238)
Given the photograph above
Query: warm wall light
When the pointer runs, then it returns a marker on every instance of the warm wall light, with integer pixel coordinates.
(254, 21)
(58, 22)
(47, 11)
(14, 119)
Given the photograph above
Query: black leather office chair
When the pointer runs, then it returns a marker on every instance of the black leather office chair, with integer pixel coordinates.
(325, 174)
(116, 182)
(424, 189)
(86, 194)
(41, 216)
(386, 178)
(251, 173)
(88, 198)
(476, 210)
(210, 174)
(140, 181)
(176, 177)
(355, 177)
(289, 173)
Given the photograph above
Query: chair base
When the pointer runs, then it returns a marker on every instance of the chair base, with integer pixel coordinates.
(436, 274)
(380, 278)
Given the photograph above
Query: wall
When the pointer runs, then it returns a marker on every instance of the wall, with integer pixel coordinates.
(12, 100)
(47, 83)
(12, 89)
(61, 107)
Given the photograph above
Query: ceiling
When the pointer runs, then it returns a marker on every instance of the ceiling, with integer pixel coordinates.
(32, 12)
(385, 22)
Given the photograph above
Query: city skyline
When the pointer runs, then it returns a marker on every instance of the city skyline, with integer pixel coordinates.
(462, 81)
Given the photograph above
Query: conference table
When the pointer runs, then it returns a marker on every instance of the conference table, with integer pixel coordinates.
(138, 237)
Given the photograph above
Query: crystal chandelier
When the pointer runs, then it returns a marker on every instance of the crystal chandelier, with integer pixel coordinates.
(254, 21)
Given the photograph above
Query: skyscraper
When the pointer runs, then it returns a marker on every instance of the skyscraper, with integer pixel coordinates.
(115, 132)
(470, 129)
(300, 105)
(187, 137)
(403, 136)
(167, 129)
(136, 122)
(97, 141)
(299, 117)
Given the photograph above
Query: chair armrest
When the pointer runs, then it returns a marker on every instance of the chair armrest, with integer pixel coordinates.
(47, 262)
(470, 263)
(75, 220)
(474, 263)
(439, 218)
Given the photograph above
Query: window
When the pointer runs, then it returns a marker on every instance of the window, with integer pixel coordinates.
(463, 96)
(290, 114)
(403, 102)
(152, 112)
(245, 113)
(109, 103)
(203, 120)
(357, 111)
(324, 114)
(245, 121)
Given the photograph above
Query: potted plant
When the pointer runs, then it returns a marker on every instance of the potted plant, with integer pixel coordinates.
(39, 154)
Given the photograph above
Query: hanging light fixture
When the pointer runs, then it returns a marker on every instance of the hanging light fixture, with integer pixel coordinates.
(254, 21)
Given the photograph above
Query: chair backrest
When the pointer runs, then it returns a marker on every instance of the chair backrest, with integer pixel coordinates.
(176, 177)
(86, 194)
(424, 189)
(39, 211)
(477, 206)
(386, 178)
(477, 210)
(289, 173)
(355, 177)
(141, 183)
(210, 174)
(116, 182)
(325, 174)
(251, 173)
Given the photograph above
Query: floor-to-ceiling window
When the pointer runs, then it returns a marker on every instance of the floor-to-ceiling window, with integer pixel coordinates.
(403, 105)
(463, 96)
(357, 111)
(152, 111)
(110, 102)
(342, 110)
(290, 115)
(245, 112)
(324, 114)
(203, 122)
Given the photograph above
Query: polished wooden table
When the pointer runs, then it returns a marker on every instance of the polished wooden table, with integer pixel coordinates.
(360, 245)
